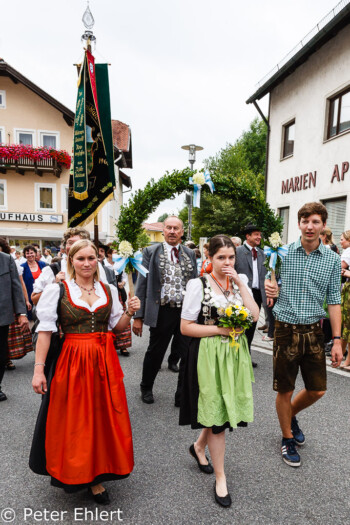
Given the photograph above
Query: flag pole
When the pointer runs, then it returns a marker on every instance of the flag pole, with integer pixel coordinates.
(92, 174)
(96, 216)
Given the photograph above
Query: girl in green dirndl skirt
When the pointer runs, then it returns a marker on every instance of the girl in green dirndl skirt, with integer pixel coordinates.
(217, 392)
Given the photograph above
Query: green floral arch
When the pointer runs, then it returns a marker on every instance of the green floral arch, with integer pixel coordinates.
(146, 201)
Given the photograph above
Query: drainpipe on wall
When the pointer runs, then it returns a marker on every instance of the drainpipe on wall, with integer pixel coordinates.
(266, 120)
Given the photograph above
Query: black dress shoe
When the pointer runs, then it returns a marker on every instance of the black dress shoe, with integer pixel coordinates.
(225, 501)
(207, 469)
(147, 396)
(102, 498)
(3, 396)
(10, 366)
(254, 365)
(173, 367)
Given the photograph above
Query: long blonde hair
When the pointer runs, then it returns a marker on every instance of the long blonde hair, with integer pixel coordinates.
(346, 235)
(327, 232)
(77, 246)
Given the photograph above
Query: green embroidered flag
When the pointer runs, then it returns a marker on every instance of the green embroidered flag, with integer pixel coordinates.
(92, 174)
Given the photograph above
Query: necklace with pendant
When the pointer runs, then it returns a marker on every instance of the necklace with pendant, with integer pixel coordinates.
(225, 292)
(89, 291)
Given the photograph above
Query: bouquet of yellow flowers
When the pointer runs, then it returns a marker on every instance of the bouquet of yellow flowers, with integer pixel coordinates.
(237, 317)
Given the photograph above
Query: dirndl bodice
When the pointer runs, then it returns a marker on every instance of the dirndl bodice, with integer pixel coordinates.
(79, 320)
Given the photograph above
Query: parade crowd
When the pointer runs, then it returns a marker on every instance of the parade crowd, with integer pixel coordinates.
(74, 312)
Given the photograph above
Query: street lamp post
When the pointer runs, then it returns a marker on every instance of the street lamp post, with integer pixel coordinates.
(191, 148)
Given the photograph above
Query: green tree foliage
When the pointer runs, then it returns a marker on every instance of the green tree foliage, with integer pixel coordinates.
(163, 217)
(143, 240)
(245, 161)
(218, 214)
(183, 215)
(253, 142)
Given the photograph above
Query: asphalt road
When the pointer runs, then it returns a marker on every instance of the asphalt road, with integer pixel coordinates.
(166, 486)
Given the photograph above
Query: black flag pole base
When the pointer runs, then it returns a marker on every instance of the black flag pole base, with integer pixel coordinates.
(96, 231)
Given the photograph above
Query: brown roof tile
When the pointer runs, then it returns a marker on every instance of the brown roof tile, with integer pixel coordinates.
(153, 226)
(121, 135)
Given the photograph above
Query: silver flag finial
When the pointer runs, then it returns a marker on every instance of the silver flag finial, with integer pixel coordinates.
(88, 19)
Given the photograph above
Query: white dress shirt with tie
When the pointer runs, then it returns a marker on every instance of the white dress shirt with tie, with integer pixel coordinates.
(255, 281)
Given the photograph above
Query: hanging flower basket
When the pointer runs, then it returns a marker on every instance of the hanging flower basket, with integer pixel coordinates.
(18, 151)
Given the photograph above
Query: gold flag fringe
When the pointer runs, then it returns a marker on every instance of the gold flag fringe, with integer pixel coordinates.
(80, 196)
(93, 215)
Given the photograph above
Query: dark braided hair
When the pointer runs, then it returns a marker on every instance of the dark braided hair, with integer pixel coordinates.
(220, 241)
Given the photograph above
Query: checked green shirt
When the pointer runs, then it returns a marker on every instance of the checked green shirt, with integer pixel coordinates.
(306, 281)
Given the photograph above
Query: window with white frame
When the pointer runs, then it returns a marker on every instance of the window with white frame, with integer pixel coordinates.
(3, 194)
(2, 135)
(336, 209)
(288, 135)
(49, 139)
(339, 113)
(25, 136)
(64, 197)
(2, 99)
(45, 197)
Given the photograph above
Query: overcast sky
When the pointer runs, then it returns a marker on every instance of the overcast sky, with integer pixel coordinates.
(180, 70)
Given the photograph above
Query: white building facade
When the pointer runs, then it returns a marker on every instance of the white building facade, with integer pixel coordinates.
(308, 152)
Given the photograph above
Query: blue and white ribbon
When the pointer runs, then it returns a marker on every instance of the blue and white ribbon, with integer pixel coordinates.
(136, 262)
(196, 193)
(280, 252)
(197, 188)
(208, 181)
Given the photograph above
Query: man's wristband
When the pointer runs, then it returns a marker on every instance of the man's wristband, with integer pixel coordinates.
(128, 314)
(337, 337)
(25, 315)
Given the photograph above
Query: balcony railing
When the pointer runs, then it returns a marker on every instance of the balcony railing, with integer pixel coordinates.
(24, 164)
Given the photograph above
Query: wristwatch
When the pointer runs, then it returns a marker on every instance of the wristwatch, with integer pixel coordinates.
(128, 314)
(25, 315)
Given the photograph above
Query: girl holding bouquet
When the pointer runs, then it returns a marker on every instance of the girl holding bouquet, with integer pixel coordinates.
(217, 392)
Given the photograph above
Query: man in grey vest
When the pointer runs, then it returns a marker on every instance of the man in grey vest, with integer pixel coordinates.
(170, 266)
(11, 303)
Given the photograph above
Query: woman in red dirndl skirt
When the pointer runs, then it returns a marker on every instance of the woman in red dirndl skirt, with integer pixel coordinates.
(83, 434)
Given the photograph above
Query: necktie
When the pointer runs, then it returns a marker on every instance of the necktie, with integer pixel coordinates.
(254, 253)
(175, 254)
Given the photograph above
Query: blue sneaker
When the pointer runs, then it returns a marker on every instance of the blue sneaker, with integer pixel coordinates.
(289, 452)
(298, 435)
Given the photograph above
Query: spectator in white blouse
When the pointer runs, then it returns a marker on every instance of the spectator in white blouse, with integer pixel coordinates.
(47, 257)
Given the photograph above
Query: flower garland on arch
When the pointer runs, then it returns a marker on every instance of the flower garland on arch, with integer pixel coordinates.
(17, 151)
(145, 201)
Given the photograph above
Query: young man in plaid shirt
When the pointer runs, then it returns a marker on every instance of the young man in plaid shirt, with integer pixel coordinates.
(310, 273)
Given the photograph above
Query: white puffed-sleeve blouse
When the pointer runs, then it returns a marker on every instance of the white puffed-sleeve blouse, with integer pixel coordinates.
(194, 295)
(46, 308)
(345, 256)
